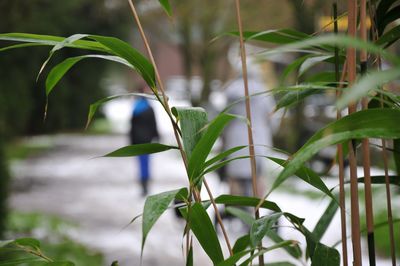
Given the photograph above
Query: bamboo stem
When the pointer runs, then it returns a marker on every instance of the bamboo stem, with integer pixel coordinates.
(355, 212)
(196, 194)
(248, 115)
(342, 192)
(365, 145)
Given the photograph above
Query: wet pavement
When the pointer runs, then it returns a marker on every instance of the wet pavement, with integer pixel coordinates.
(101, 196)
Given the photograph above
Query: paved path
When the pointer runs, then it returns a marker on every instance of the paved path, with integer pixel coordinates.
(102, 195)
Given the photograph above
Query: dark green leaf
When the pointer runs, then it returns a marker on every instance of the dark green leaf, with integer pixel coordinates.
(307, 175)
(260, 227)
(389, 37)
(325, 256)
(234, 258)
(154, 207)
(312, 61)
(325, 220)
(223, 155)
(130, 54)
(166, 6)
(293, 250)
(393, 179)
(203, 229)
(391, 16)
(189, 259)
(396, 156)
(297, 93)
(374, 123)
(29, 243)
(234, 200)
(139, 149)
(192, 121)
(241, 244)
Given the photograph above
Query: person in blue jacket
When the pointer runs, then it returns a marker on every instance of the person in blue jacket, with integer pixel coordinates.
(143, 130)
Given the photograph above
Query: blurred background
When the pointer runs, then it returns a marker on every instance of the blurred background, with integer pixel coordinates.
(52, 189)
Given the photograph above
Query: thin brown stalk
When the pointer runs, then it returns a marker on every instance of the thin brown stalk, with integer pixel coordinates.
(378, 63)
(196, 194)
(248, 115)
(355, 212)
(365, 144)
(219, 219)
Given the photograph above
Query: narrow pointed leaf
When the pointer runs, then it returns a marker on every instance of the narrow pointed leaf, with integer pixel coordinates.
(380, 179)
(166, 6)
(374, 123)
(37, 39)
(154, 207)
(241, 244)
(293, 250)
(61, 69)
(307, 175)
(389, 37)
(246, 201)
(325, 220)
(298, 93)
(235, 258)
(260, 228)
(312, 61)
(396, 155)
(241, 214)
(192, 121)
(130, 54)
(366, 84)
(204, 145)
(203, 229)
(223, 155)
(140, 149)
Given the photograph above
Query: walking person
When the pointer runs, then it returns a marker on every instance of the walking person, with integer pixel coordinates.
(143, 130)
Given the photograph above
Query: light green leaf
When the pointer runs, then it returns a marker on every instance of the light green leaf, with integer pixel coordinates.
(166, 6)
(223, 155)
(61, 69)
(241, 214)
(192, 121)
(374, 123)
(246, 201)
(260, 227)
(278, 36)
(154, 207)
(37, 39)
(235, 258)
(30, 243)
(294, 250)
(204, 145)
(367, 83)
(312, 61)
(139, 149)
(203, 229)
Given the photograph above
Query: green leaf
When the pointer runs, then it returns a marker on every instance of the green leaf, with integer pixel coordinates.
(203, 229)
(246, 201)
(189, 259)
(293, 250)
(21, 45)
(241, 214)
(204, 145)
(139, 149)
(325, 220)
(334, 40)
(234, 258)
(374, 123)
(154, 207)
(367, 83)
(380, 179)
(61, 69)
(312, 61)
(292, 67)
(241, 244)
(307, 175)
(37, 39)
(299, 92)
(94, 106)
(278, 36)
(21, 261)
(30, 243)
(260, 227)
(396, 156)
(389, 37)
(130, 54)
(166, 6)
(223, 155)
(192, 121)
(325, 256)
